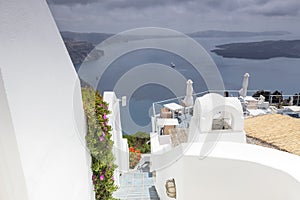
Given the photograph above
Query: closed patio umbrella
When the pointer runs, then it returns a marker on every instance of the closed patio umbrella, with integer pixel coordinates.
(243, 91)
(189, 100)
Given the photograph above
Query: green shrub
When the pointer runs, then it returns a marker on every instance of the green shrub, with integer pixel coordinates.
(99, 143)
(139, 140)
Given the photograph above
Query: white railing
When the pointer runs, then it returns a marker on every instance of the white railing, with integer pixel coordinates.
(272, 99)
(156, 106)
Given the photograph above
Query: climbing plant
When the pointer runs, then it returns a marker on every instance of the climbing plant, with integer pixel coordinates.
(99, 143)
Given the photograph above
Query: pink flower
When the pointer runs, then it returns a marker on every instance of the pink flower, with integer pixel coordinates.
(101, 177)
(112, 178)
(104, 116)
(103, 134)
(101, 138)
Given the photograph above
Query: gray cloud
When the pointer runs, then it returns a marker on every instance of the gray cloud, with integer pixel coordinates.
(224, 5)
(273, 8)
(71, 2)
(252, 7)
(119, 3)
(144, 3)
(182, 15)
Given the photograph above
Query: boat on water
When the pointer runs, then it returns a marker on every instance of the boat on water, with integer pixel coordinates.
(172, 65)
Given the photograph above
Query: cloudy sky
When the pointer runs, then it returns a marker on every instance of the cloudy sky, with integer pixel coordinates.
(186, 16)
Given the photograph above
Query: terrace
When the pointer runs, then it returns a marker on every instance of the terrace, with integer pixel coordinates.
(172, 115)
(214, 129)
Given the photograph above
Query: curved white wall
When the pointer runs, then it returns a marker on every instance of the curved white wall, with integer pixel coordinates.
(44, 97)
(235, 179)
(233, 171)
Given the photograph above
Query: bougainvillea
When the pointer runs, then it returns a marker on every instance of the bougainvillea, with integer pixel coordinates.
(134, 157)
(99, 143)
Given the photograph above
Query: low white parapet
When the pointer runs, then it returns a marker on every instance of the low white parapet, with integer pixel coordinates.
(230, 171)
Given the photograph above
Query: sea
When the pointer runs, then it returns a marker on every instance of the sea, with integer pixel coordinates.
(282, 74)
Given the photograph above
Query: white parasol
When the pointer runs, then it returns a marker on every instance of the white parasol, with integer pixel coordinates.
(189, 100)
(243, 91)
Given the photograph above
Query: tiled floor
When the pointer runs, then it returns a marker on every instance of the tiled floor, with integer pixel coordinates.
(136, 185)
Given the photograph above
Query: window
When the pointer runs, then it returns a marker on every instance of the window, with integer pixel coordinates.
(222, 121)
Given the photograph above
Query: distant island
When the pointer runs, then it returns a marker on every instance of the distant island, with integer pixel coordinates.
(232, 34)
(93, 38)
(80, 51)
(96, 38)
(260, 50)
(79, 45)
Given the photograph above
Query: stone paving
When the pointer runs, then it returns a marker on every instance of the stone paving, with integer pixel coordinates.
(136, 185)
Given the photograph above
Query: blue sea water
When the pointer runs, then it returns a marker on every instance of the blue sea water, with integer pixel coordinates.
(281, 74)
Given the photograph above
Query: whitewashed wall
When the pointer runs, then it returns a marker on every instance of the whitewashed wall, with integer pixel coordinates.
(120, 149)
(206, 108)
(232, 171)
(11, 172)
(229, 168)
(44, 99)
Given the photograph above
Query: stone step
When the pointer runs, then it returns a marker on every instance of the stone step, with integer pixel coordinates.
(136, 185)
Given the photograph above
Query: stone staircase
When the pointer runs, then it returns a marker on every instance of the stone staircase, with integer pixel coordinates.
(137, 184)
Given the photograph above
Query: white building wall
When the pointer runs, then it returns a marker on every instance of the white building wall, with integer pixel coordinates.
(11, 172)
(120, 148)
(44, 97)
(232, 171)
(218, 164)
